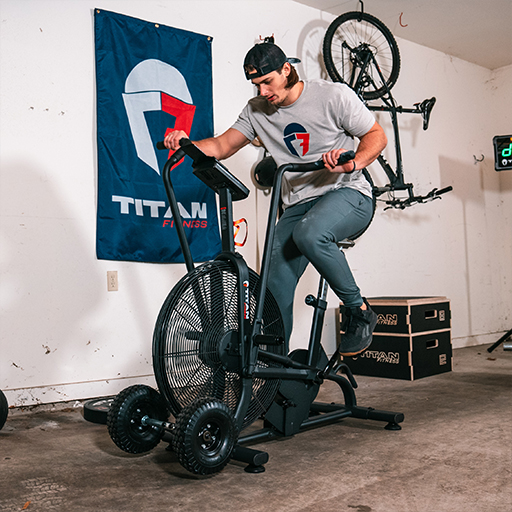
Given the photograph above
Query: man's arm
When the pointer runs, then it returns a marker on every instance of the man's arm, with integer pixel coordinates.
(370, 146)
(220, 147)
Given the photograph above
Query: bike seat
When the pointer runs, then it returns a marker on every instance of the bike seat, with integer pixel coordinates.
(425, 107)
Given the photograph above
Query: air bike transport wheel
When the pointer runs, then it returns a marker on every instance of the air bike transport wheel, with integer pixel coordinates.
(124, 419)
(195, 341)
(205, 436)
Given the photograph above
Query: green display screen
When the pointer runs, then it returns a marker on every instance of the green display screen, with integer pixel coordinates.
(502, 152)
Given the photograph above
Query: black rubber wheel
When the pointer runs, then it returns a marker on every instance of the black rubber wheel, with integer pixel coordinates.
(96, 410)
(195, 340)
(4, 409)
(349, 40)
(124, 418)
(205, 436)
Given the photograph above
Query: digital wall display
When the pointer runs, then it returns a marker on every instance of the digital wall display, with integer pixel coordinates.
(502, 152)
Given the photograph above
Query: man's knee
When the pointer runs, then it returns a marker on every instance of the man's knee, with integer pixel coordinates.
(309, 238)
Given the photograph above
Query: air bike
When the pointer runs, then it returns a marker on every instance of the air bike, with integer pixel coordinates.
(219, 352)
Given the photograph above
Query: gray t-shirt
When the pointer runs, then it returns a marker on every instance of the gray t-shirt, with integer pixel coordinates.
(326, 116)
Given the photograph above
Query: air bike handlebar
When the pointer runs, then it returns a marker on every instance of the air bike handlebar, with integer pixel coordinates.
(216, 176)
(319, 164)
(193, 151)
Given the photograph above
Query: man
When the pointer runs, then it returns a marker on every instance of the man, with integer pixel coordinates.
(300, 122)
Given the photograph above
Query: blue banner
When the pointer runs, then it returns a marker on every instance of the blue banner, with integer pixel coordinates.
(150, 79)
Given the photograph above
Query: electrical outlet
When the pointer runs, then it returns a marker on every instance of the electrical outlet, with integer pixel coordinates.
(112, 281)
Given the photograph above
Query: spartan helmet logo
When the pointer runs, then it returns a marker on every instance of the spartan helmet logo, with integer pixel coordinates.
(155, 85)
(296, 139)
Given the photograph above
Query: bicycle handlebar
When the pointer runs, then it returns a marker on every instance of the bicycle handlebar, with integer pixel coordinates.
(443, 190)
(404, 203)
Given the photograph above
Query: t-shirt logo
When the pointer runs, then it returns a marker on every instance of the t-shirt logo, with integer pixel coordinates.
(296, 139)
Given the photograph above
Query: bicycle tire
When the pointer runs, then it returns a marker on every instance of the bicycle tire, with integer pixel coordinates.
(361, 31)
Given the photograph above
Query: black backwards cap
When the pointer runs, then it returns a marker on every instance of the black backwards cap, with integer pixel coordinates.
(263, 58)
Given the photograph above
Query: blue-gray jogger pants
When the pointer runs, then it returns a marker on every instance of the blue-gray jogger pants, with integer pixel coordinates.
(308, 232)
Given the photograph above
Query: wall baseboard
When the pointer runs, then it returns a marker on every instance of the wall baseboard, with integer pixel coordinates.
(27, 397)
(477, 339)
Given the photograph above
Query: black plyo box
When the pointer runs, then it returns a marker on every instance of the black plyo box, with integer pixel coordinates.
(405, 357)
(412, 338)
(410, 315)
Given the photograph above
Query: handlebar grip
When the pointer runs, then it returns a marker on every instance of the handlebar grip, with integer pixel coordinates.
(443, 191)
(345, 157)
(183, 142)
(307, 167)
(319, 164)
(312, 166)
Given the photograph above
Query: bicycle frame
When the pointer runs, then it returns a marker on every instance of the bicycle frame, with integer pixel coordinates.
(363, 57)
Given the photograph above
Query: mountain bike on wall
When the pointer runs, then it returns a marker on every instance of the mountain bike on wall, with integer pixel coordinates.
(359, 50)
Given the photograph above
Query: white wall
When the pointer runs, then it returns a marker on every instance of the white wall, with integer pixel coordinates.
(63, 336)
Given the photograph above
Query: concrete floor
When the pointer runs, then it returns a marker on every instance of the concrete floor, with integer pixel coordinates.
(454, 453)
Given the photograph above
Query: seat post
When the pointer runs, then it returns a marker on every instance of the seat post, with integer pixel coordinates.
(319, 304)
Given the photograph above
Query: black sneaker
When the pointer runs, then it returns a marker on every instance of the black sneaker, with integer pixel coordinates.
(358, 328)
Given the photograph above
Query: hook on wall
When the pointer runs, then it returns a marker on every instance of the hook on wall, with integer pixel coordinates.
(362, 11)
(478, 160)
(400, 20)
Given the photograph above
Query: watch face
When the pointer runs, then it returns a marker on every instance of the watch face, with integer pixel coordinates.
(502, 152)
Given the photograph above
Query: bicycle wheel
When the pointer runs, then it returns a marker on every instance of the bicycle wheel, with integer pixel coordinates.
(196, 338)
(360, 51)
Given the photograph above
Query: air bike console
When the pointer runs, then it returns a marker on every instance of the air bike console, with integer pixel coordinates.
(219, 353)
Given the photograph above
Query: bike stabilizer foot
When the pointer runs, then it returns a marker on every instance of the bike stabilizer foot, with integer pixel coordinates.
(255, 459)
(368, 413)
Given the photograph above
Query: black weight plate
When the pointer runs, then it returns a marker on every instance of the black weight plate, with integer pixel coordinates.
(96, 410)
(4, 409)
